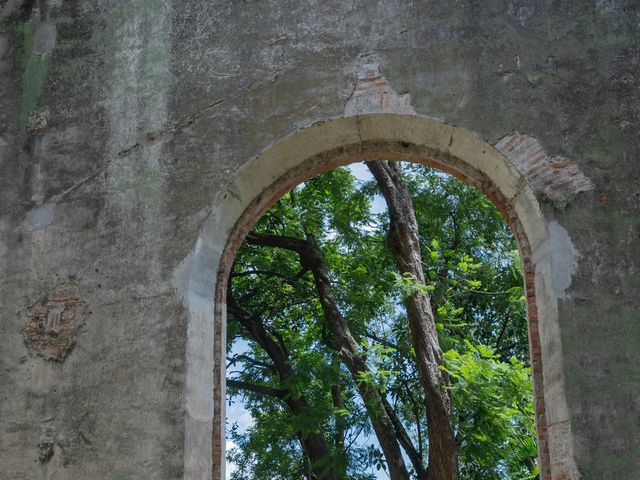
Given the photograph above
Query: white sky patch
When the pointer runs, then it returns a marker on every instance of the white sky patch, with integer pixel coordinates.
(363, 440)
(362, 174)
(231, 467)
(382, 475)
(236, 413)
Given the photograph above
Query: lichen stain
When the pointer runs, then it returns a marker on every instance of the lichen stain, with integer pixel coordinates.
(46, 444)
(54, 322)
(35, 63)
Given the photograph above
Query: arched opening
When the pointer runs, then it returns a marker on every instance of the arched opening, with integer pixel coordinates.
(320, 319)
(375, 137)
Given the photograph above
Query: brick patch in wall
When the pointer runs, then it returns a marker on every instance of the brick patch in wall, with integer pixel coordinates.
(558, 178)
(374, 94)
(54, 322)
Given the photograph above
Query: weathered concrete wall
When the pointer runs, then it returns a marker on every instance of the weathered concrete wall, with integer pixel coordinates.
(121, 123)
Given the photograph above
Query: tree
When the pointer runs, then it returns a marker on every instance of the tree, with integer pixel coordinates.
(404, 243)
(331, 353)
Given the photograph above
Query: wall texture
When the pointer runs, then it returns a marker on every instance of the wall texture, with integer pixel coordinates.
(121, 124)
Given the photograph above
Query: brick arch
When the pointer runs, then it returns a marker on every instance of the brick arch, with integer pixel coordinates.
(328, 145)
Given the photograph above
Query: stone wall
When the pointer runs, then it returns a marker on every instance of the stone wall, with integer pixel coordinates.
(122, 125)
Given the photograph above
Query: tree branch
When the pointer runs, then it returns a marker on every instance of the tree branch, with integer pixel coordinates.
(505, 323)
(277, 241)
(260, 389)
(256, 363)
(405, 441)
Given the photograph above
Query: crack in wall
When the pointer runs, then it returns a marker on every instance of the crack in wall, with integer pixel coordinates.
(149, 138)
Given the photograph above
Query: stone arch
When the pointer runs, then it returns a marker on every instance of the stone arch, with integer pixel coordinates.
(320, 147)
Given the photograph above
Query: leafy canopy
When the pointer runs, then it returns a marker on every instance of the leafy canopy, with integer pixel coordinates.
(473, 278)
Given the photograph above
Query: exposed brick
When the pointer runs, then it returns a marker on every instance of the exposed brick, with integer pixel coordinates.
(555, 176)
(54, 322)
(374, 94)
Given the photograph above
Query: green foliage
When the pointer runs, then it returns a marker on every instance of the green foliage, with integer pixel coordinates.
(45, 452)
(474, 281)
(495, 412)
(409, 285)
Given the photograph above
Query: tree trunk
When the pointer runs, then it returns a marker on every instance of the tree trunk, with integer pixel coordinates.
(314, 444)
(405, 441)
(338, 404)
(340, 426)
(404, 242)
(347, 348)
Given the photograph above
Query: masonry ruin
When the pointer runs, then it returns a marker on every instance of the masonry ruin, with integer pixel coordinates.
(140, 141)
